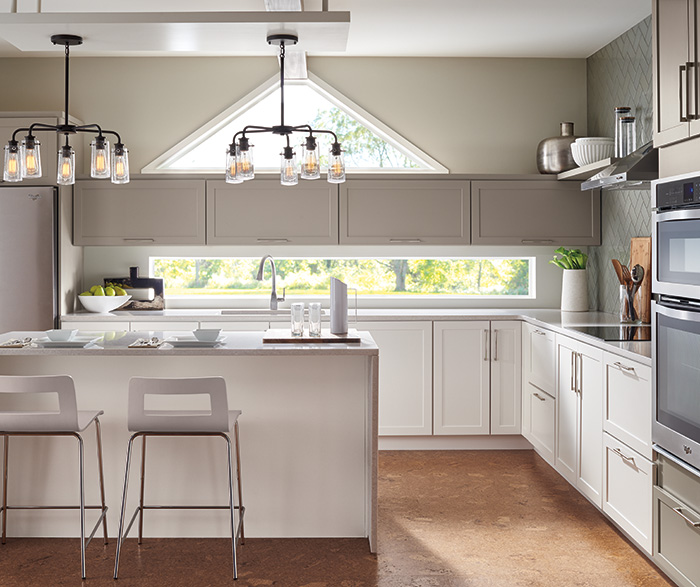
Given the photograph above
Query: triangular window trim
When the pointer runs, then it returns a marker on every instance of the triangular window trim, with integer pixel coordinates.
(194, 139)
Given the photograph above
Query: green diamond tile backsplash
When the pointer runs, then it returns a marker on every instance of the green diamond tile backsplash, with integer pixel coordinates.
(619, 74)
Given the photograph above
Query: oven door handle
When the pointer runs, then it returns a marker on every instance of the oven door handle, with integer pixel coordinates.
(680, 311)
(691, 213)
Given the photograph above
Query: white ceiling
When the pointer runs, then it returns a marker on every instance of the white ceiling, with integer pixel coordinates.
(432, 28)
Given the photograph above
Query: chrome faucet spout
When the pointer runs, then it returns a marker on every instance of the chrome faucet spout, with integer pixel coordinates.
(274, 299)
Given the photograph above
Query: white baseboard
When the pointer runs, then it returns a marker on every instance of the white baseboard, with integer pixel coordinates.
(486, 442)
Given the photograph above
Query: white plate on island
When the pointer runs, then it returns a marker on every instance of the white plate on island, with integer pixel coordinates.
(192, 342)
(77, 342)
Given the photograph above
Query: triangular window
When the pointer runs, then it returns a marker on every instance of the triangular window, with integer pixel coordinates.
(370, 146)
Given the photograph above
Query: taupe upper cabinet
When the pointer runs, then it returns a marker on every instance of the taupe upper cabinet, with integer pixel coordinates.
(416, 211)
(676, 70)
(538, 212)
(142, 212)
(264, 212)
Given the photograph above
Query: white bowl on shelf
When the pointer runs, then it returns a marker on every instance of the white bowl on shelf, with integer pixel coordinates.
(207, 334)
(103, 304)
(62, 335)
(589, 150)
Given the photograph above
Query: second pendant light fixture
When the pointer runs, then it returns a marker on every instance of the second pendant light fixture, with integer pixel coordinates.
(239, 155)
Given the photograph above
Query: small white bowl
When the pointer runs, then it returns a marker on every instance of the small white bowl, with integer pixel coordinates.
(589, 150)
(207, 334)
(61, 335)
(103, 304)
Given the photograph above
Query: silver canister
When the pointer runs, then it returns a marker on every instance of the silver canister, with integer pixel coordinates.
(620, 113)
(554, 153)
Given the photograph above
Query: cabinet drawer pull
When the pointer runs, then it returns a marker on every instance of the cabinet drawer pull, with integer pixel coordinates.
(486, 345)
(540, 332)
(405, 240)
(618, 452)
(573, 370)
(624, 367)
(495, 345)
(579, 374)
(537, 241)
(139, 240)
(273, 240)
(690, 522)
(681, 69)
(539, 397)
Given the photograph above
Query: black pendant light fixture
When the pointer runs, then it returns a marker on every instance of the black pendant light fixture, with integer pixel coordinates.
(23, 161)
(239, 156)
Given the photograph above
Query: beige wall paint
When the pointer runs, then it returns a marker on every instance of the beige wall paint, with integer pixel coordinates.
(472, 115)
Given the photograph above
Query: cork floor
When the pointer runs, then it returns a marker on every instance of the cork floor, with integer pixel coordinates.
(446, 519)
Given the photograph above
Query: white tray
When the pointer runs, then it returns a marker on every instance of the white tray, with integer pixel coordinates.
(192, 342)
(74, 343)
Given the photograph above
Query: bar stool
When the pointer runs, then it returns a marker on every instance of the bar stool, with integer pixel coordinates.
(68, 421)
(217, 421)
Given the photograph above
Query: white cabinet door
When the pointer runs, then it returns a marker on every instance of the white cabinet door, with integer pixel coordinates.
(567, 409)
(628, 483)
(461, 377)
(405, 377)
(540, 409)
(506, 377)
(628, 403)
(539, 358)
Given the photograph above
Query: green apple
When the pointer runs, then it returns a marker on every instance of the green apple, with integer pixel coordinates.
(99, 291)
(93, 288)
(119, 291)
(109, 290)
(86, 293)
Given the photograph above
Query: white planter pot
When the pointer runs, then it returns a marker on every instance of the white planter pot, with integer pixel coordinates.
(574, 290)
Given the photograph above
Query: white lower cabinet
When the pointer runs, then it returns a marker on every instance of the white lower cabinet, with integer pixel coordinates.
(539, 418)
(628, 482)
(539, 358)
(506, 377)
(405, 376)
(579, 446)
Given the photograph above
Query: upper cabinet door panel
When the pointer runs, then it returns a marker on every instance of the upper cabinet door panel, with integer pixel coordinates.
(142, 212)
(264, 212)
(404, 212)
(534, 213)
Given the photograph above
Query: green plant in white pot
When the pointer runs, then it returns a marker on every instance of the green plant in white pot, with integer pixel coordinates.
(574, 285)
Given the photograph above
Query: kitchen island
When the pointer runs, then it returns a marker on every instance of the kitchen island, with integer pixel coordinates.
(308, 437)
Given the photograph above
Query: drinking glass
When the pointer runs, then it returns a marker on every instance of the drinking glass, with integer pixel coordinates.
(297, 319)
(315, 319)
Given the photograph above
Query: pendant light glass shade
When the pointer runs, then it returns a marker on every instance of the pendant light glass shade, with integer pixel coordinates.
(232, 175)
(244, 160)
(30, 157)
(100, 167)
(310, 164)
(12, 170)
(66, 166)
(288, 170)
(336, 165)
(120, 164)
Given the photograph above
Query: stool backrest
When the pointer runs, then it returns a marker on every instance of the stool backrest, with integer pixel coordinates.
(63, 420)
(213, 420)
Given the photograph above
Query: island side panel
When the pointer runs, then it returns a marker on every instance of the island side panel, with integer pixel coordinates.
(372, 448)
(304, 446)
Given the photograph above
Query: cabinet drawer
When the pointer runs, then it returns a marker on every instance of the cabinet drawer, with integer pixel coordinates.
(542, 419)
(628, 402)
(628, 480)
(540, 360)
(676, 541)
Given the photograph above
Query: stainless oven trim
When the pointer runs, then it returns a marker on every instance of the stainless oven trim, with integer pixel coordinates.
(666, 437)
(664, 287)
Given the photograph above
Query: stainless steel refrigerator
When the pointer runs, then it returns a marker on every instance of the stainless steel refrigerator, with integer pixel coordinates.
(28, 258)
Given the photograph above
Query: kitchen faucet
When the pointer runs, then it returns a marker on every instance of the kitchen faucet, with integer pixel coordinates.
(273, 296)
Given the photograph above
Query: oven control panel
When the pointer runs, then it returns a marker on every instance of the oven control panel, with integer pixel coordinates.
(677, 194)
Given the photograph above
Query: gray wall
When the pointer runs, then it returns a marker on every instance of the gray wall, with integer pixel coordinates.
(620, 74)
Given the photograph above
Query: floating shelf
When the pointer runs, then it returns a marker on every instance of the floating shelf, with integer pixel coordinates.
(586, 171)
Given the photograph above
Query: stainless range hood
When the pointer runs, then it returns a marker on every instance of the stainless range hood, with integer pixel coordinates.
(633, 172)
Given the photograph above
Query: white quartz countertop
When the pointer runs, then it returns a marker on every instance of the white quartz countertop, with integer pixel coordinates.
(234, 343)
(545, 318)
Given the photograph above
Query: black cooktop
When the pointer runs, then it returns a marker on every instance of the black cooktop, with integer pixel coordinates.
(616, 333)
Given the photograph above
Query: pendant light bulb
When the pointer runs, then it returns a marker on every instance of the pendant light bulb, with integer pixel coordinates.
(245, 168)
(288, 169)
(336, 165)
(120, 164)
(66, 166)
(100, 167)
(12, 170)
(310, 164)
(30, 157)
(232, 175)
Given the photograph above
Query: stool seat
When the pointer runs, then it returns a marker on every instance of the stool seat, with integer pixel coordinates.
(37, 422)
(178, 421)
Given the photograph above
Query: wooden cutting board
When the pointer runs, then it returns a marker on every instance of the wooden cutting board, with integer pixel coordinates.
(640, 254)
(284, 336)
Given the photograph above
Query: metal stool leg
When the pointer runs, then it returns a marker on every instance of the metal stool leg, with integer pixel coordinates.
(230, 505)
(143, 479)
(123, 511)
(98, 433)
(241, 509)
(6, 452)
(82, 503)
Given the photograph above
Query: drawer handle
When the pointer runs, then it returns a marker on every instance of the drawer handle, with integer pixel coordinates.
(273, 240)
(539, 397)
(624, 367)
(540, 332)
(690, 522)
(537, 241)
(618, 452)
(139, 240)
(405, 240)
(486, 345)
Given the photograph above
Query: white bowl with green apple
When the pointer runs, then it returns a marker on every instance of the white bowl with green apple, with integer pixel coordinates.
(101, 299)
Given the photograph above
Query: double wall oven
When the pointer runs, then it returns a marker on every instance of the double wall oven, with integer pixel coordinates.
(676, 316)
